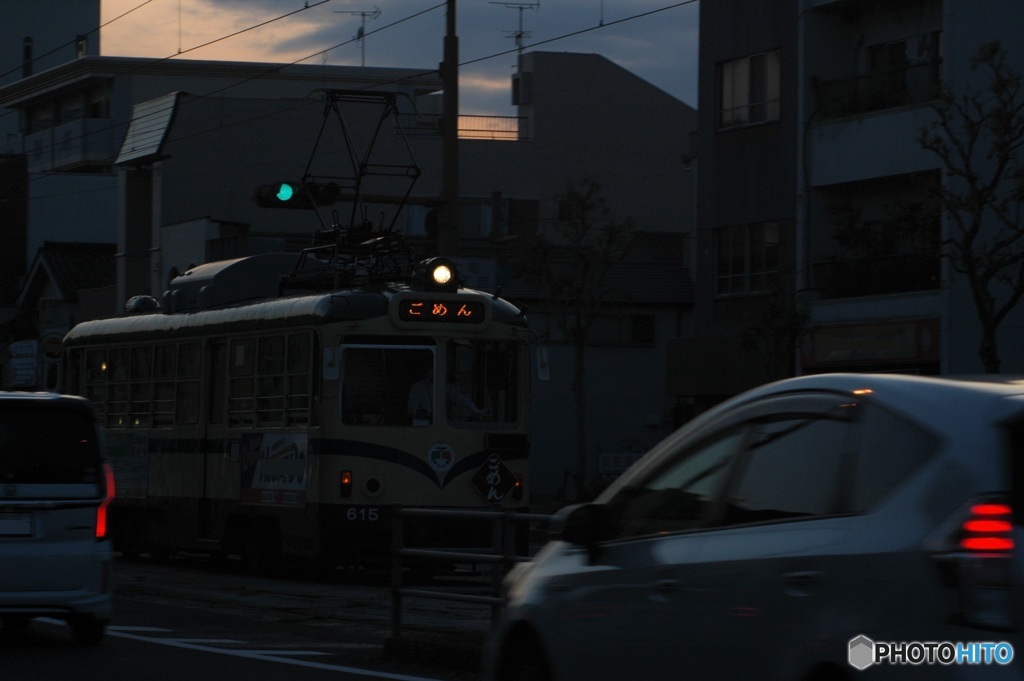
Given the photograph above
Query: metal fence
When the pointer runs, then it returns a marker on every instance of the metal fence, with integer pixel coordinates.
(502, 553)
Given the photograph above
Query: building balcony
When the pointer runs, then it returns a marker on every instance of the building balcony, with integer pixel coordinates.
(890, 89)
(904, 273)
(81, 145)
(498, 128)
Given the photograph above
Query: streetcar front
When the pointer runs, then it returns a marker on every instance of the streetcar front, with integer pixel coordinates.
(426, 406)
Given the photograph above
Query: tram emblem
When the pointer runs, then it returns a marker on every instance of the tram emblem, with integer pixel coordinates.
(494, 480)
(441, 457)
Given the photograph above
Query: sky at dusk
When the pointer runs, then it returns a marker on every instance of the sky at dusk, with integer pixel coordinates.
(654, 39)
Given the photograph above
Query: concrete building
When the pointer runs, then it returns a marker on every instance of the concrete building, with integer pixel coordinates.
(818, 238)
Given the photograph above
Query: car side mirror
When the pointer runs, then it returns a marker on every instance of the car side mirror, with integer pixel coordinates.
(585, 525)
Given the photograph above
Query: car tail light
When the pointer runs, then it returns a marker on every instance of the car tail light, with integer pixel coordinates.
(988, 528)
(975, 551)
(346, 484)
(108, 496)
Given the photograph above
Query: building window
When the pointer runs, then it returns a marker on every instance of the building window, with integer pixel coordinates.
(749, 90)
(748, 258)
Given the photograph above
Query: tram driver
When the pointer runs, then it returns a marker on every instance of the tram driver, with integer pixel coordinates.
(421, 401)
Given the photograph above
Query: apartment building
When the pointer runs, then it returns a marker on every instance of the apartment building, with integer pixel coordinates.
(819, 238)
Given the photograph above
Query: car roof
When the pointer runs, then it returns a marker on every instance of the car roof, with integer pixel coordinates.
(948, 404)
(9, 396)
(983, 398)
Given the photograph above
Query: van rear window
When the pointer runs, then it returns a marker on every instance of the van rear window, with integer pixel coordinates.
(48, 446)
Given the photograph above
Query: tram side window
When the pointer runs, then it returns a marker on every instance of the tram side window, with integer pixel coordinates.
(269, 380)
(96, 380)
(164, 371)
(141, 386)
(377, 382)
(117, 386)
(299, 393)
(484, 382)
(241, 390)
(186, 409)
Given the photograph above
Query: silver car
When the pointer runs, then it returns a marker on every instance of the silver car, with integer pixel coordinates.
(815, 528)
(55, 486)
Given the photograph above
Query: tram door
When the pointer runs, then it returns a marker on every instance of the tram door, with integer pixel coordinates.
(215, 456)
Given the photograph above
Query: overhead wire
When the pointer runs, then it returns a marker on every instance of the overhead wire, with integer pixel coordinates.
(421, 74)
(72, 42)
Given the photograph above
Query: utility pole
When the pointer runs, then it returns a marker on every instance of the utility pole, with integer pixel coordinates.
(448, 224)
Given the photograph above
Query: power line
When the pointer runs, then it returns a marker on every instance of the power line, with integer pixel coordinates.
(564, 36)
(73, 42)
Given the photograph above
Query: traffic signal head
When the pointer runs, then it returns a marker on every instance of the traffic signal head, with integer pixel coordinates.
(297, 194)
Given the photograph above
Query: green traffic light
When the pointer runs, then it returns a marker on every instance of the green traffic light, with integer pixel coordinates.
(285, 192)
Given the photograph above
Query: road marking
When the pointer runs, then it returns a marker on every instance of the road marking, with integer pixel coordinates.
(257, 655)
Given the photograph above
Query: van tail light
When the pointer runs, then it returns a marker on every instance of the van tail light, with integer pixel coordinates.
(975, 550)
(346, 484)
(108, 496)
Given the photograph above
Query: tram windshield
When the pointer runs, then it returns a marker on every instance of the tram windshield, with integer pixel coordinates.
(396, 385)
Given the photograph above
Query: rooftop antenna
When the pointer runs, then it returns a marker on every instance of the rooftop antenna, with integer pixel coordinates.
(520, 34)
(361, 33)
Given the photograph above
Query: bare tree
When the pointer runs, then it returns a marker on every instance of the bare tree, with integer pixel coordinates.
(776, 337)
(977, 136)
(569, 267)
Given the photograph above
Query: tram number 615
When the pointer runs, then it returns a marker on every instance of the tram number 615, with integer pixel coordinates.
(363, 514)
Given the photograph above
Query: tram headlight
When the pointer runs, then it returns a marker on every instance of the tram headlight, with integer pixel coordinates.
(436, 274)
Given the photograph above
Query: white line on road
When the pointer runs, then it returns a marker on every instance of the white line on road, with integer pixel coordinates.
(257, 655)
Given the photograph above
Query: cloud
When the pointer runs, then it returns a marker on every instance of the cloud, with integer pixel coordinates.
(661, 47)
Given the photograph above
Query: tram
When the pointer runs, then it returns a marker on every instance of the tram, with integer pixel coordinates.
(284, 404)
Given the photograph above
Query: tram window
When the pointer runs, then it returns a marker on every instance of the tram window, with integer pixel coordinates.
(270, 400)
(485, 375)
(164, 367)
(117, 406)
(218, 380)
(299, 397)
(95, 366)
(163, 361)
(163, 404)
(271, 355)
(189, 356)
(187, 403)
(241, 391)
(96, 379)
(139, 405)
(298, 353)
(117, 365)
(141, 364)
(117, 384)
(377, 382)
(242, 357)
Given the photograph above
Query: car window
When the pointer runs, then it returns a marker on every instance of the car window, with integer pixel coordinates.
(682, 495)
(48, 446)
(890, 450)
(790, 469)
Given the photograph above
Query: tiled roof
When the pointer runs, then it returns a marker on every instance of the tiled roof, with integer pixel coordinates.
(77, 266)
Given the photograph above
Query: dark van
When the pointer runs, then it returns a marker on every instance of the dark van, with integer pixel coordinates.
(55, 487)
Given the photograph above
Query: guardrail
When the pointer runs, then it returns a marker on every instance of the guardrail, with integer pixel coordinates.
(501, 555)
